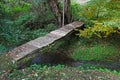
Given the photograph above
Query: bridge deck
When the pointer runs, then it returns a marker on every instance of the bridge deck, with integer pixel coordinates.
(37, 44)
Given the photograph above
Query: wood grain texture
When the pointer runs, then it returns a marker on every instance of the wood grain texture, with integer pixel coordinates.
(33, 46)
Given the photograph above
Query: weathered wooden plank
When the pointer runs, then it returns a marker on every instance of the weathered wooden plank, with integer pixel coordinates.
(39, 43)
(21, 51)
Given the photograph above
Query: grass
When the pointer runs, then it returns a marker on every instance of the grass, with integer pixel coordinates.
(95, 52)
(101, 50)
(96, 49)
(82, 49)
(61, 72)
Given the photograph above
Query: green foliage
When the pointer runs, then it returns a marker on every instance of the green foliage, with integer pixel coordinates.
(38, 72)
(36, 33)
(108, 71)
(50, 27)
(40, 8)
(98, 68)
(23, 19)
(115, 23)
(57, 67)
(95, 9)
(2, 48)
(12, 35)
(98, 30)
(97, 16)
(114, 5)
(75, 9)
(6, 63)
(14, 7)
(14, 32)
(12, 27)
(15, 16)
(93, 50)
(8, 33)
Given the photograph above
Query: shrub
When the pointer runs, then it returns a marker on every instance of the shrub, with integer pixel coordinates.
(14, 17)
(14, 32)
(51, 27)
(2, 48)
(13, 8)
(97, 16)
(76, 9)
(98, 30)
(32, 34)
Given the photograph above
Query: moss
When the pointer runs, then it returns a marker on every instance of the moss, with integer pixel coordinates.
(6, 63)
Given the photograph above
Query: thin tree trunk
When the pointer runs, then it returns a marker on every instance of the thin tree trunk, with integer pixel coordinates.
(63, 17)
(56, 10)
(68, 15)
(54, 5)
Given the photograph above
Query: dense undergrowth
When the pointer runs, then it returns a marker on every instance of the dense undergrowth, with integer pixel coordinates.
(99, 41)
(100, 38)
(102, 18)
(62, 72)
(22, 21)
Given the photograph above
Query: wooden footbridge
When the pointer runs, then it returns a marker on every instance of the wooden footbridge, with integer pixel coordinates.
(29, 48)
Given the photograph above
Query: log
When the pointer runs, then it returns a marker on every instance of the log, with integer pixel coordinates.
(22, 54)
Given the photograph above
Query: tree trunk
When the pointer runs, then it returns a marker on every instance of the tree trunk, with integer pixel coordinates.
(68, 16)
(54, 6)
